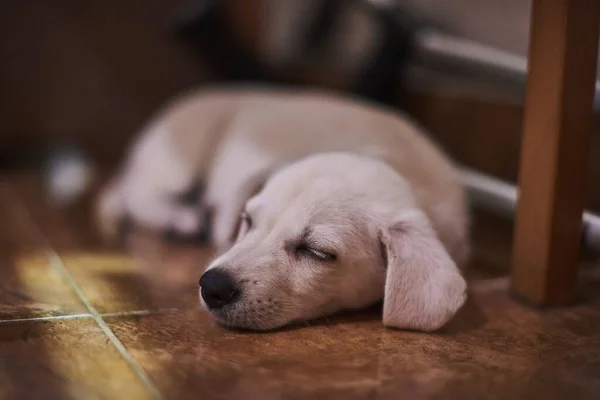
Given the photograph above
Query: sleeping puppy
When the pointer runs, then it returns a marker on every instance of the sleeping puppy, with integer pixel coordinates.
(318, 204)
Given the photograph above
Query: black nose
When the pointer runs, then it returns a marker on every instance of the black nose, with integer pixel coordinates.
(217, 288)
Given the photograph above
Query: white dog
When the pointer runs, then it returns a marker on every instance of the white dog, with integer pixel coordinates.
(318, 203)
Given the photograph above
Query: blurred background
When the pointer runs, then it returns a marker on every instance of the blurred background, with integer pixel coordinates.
(80, 319)
(81, 78)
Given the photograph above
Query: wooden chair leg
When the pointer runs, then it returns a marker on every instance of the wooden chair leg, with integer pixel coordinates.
(554, 154)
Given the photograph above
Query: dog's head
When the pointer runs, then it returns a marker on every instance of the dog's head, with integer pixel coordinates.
(329, 233)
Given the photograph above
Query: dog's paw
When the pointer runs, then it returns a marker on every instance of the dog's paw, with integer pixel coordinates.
(185, 221)
(187, 224)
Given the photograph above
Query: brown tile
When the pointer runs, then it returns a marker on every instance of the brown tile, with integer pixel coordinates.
(30, 285)
(65, 228)
(495, 348)
(148, 278)
(148, 274)
(186, 354)
(68, 359)
(515, 354)
(491, 239)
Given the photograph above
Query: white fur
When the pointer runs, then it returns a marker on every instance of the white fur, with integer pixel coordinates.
(354, 180)
(155, 174)
(413, 299)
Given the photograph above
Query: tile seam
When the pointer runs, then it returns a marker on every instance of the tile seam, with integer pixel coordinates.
(57, 263)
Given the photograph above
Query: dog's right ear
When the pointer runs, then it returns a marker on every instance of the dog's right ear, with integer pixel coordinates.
(423, 287)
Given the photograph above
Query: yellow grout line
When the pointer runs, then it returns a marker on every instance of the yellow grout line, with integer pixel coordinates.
(41, 319)
(57, 263)
(133, 313)
(139, 312)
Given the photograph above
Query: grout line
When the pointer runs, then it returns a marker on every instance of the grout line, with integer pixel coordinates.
(57, 263)
(41, 319)
(140, 312)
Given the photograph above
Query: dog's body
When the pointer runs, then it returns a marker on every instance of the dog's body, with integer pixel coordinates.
(309, 161)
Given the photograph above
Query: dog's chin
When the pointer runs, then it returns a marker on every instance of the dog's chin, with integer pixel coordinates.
(247, 322)
(249, 327)
(241, 320)
(251, 315)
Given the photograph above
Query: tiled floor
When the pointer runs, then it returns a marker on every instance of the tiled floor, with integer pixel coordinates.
(81, 321)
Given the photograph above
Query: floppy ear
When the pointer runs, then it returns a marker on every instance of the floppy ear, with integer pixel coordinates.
(423, 287)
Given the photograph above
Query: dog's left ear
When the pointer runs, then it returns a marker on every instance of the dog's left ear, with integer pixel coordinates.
(423, 287)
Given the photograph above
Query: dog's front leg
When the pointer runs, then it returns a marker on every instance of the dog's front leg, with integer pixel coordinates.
(239, 172)
(149, 189)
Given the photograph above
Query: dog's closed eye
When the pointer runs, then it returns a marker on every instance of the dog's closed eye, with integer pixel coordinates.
(246, 220)
(307, 246)
(244, 225)
(306, 250)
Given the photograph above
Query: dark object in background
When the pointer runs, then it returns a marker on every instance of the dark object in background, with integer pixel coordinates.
(20, 158)
(381, 80)
(201, 26)
(323, 24)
